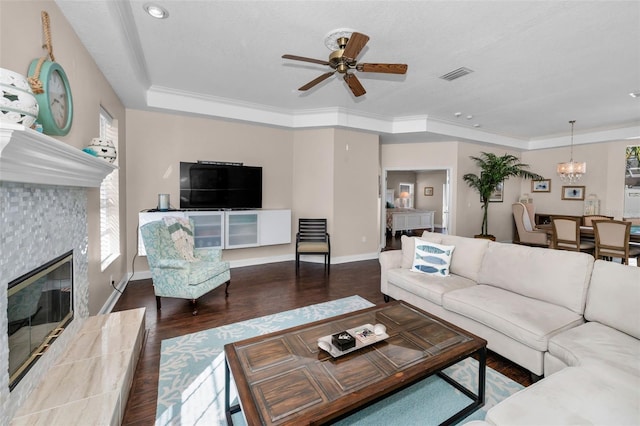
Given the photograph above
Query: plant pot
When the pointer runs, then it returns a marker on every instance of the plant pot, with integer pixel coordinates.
(486, 237)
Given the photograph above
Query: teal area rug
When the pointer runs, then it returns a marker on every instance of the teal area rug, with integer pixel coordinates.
(191, 379)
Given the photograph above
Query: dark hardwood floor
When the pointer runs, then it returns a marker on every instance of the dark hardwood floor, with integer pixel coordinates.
(254, 291)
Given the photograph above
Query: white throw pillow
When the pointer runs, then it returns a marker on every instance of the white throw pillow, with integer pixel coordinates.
(431, 258)
(409, 247)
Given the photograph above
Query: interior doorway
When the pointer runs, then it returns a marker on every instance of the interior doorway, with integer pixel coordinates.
(431, 192)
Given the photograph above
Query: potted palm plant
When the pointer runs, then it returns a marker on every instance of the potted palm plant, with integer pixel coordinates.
(494, 170)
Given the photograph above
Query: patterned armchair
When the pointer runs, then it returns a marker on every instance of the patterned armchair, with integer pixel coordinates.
(173, 276)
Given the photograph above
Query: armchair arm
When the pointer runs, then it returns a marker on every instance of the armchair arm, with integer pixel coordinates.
(388, 260)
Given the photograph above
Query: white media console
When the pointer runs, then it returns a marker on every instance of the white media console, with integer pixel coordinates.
(228, 229)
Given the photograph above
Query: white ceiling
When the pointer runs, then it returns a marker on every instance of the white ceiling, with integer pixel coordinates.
(537, 65)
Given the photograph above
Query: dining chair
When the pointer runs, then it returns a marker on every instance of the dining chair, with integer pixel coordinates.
(566, 235)
(635, 221)
(312, 238)
(587, 220)
(527, 234)
(612, 241)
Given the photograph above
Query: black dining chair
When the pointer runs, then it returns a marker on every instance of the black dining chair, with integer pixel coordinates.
(312, 238)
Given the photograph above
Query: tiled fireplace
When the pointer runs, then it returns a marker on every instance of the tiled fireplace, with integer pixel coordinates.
(43, 214)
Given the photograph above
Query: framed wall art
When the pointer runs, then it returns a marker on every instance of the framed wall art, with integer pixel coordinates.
(573, 193)
(543, 185)
(497, 196)
(428, 191)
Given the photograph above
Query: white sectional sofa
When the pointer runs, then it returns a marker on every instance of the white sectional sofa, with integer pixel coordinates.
(554, 312)
(592, 372)
(516, 297)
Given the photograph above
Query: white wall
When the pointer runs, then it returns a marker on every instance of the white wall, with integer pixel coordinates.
(160, 141)
(357, 199)
(423, 156)
(310, 172)
(604, 177)
(434, 179)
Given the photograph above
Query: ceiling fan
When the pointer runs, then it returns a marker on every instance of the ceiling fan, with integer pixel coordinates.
(343, 60)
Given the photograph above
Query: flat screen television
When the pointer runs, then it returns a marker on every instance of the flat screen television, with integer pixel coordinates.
(220, 186)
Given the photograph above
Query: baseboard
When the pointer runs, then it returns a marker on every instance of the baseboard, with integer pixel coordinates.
(144, 275)
(260, 260)
(115, 295)
(141, 275)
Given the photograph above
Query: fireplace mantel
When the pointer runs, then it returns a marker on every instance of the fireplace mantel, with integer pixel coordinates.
(31, 157)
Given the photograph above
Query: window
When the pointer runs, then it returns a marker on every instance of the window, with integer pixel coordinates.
(109, 199)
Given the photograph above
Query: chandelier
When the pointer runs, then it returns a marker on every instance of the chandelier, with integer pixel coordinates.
(571, 171)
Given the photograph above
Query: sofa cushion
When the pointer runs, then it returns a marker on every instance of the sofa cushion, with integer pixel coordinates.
(595, 341)
(594, 395)
(468, 255)
(409, 246)
(529, 321)
(431, 258)
(614, 297)
(556, 276)
(429, 287)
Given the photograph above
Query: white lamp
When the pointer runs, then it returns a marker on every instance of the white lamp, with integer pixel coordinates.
(404, 196)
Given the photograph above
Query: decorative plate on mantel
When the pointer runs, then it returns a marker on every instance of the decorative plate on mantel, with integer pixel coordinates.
(17, 102)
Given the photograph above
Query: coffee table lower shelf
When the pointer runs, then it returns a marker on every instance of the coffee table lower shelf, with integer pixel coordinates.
(284, 379)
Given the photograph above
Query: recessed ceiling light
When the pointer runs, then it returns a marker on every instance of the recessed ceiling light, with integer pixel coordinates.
(635, 94)
(156, 11)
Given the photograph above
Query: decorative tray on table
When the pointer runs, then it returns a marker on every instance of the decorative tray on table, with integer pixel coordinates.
(352, 339)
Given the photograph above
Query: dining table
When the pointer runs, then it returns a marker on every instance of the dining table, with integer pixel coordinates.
(587, 231)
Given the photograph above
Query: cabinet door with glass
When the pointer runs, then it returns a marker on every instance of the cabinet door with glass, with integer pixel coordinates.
(208, 231)
(242, 229)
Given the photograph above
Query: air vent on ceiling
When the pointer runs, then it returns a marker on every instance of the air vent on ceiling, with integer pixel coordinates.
(460, 72)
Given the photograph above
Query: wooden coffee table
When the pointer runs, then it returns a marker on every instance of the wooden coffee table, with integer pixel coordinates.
(284, 378)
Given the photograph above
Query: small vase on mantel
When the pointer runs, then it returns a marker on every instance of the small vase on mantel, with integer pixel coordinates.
(102, 148)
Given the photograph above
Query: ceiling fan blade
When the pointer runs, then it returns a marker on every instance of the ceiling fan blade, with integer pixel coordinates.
(355, 44)
(385, 68)
(302, 58)
(354, 85)
(320, 79)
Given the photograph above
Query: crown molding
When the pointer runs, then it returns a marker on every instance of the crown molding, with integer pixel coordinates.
(163, 98)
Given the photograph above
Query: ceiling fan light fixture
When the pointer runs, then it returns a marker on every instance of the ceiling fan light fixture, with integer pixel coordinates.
(332, 37)
(343, 59)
